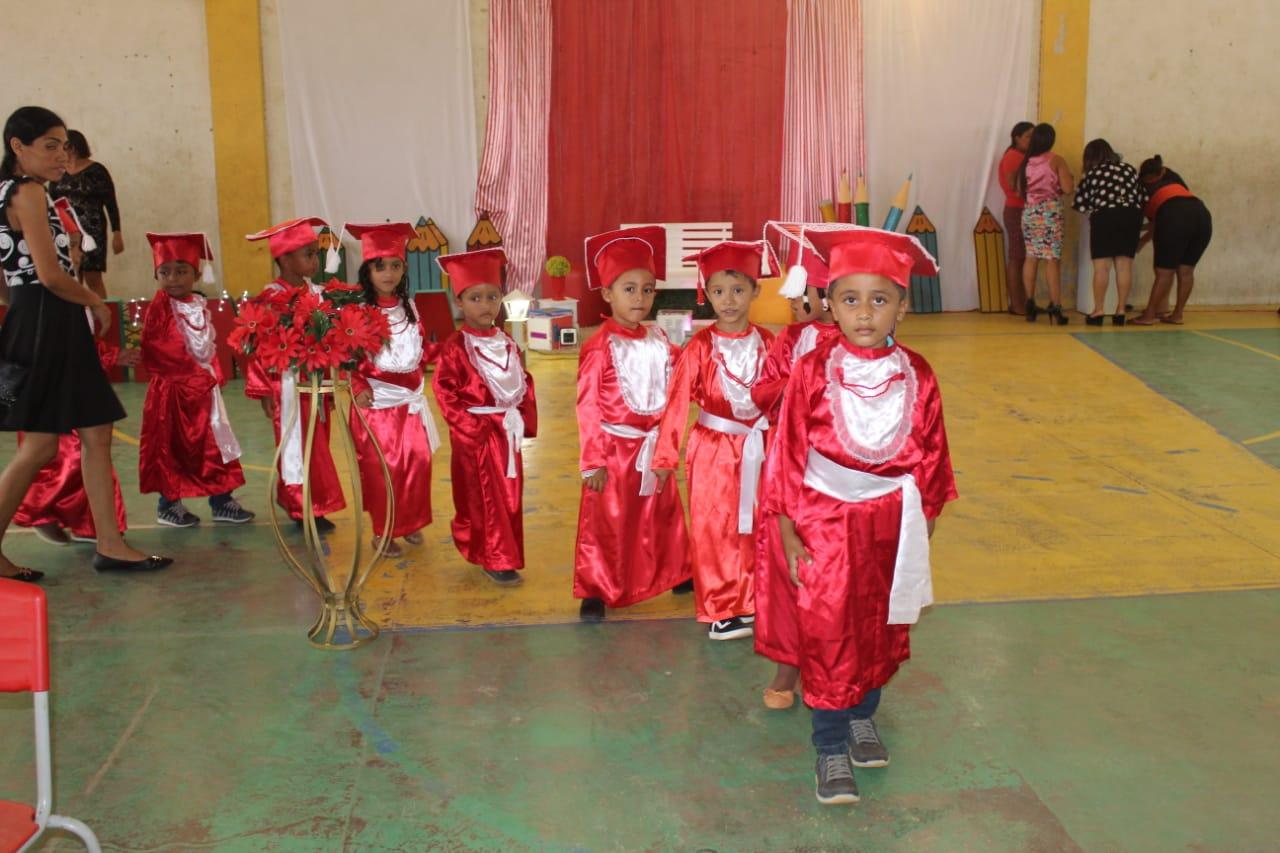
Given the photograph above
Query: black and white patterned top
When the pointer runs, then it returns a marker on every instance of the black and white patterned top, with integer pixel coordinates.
(1107, 186)
(15, 257)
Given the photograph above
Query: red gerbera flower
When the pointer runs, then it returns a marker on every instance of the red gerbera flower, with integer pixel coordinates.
(354, 325)
(305, 308)
(253, 320)
(278, 347)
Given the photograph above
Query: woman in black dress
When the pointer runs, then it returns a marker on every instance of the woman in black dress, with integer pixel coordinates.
(1110, 194)
(1181, 228)
(89, 188)
(46, 333)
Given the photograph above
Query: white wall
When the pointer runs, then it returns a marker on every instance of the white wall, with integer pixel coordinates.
(1195, 82)
(137, 86)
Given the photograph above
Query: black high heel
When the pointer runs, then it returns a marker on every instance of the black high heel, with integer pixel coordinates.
(1092, 320)
(1055, 315)
(1117, 319)
(1032, 310)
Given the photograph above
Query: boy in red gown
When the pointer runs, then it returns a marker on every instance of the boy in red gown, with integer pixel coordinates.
(296, 252)
(187, 447)
(717, 370)
(858, 472)
(632, 542)
(487, 398)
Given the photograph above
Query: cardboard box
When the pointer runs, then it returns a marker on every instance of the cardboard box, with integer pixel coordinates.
(566, 304)
(544, 328)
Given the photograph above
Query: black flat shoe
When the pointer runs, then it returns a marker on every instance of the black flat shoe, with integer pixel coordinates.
(683, 588)
(149, 564)
(24, 575)
(592, 610)
(504, 577)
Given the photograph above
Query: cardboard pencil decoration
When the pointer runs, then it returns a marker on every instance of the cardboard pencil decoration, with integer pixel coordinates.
(484, 235)
(862, 204)
(988, 251)
(925, 290)
(420, 257)
(330, 240)
(844, 200)
(828, 210)
(898, 205)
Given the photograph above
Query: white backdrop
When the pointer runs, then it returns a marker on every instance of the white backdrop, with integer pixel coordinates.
(381, 111)
(944, 83)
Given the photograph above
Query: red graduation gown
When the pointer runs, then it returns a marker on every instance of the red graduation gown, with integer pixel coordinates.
(179, 455)
(399, 430)
(630, 547)
(891, 428)
(326, 488)
(716, 370)
(482, 370)
(775, 626)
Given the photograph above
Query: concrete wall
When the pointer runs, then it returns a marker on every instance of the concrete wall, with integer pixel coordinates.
(1195, 82)
(137, 86)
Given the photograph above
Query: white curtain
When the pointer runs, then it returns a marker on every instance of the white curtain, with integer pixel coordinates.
(944, 83)
(381, 111)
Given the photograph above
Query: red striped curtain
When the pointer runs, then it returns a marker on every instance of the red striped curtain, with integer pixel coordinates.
(512, 184)
(664, 111)
(824, 131)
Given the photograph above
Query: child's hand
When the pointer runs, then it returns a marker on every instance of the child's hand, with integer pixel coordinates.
(662, 474)
(268, 406)
(793, 548)
(364, 399)
(595, 482)
(129, 357)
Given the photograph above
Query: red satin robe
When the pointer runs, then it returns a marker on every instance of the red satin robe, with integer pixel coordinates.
(846, 646)
(57, 494)
(488, 525)
(178, 455)
(716, 370)
(775, 626)
(400, 432)
(630, 547)
(326, 488)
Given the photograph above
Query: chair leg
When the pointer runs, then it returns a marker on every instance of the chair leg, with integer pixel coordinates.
(77, 828)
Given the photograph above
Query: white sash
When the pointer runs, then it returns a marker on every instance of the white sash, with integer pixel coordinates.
(513, 425)
(200, 345)
(388, 395)
(644, 461)
(291, 435)
(752, 459)
(912, 580)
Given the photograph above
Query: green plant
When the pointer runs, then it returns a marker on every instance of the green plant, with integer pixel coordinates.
(557, 266)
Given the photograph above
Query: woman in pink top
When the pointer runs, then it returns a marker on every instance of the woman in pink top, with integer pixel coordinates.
(1015, 249)
(1042, 179)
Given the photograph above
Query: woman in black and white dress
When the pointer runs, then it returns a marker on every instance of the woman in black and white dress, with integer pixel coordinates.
(46, 333)
(1109, 192)
(88, 186)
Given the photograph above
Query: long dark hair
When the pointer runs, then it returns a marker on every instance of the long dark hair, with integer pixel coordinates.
(1151, 167)
(27, 124)
(365, 277)
(77, 143)
(1018, 129)
(1097, 152)
(1042, 139)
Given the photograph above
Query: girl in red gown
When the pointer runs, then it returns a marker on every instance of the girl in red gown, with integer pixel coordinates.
(487, 399)
(296, 252)
(857, 474)
(632, 542)
(717, 370)
(187, 447)
(388, 389)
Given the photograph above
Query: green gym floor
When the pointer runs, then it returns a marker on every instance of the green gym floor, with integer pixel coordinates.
(1099, 674)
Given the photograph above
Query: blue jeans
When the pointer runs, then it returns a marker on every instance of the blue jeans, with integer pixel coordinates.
(831, 728)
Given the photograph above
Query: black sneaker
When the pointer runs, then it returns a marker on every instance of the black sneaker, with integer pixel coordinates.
(230, 512)
(730, 629)
(323, 525)
(834, 777)
(865, 746)
(176, 515)
(592, 610)
(683, 588)
(504, 577)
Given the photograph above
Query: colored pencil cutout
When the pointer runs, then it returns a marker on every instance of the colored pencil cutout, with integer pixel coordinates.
(484, 235)
(988, 251)
(844, 200)
(420, 257)
(898, 205)
(327, 238)
(827, 208)
(862, 204)
(925, 290)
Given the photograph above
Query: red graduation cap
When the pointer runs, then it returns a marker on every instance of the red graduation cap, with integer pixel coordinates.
(289, 236)
(190, 247)
(387, 240)
(854, 249)
(467, 269)
(71, 223)
(612, 253)
(751, 259)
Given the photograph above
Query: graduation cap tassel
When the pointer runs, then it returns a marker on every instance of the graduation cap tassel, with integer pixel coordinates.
(332, 258)
(796, 281)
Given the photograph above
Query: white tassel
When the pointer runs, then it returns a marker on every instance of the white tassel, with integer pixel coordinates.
(794, 285)
(87, 243)
(206, 275)
(332, 260)
(765, 267)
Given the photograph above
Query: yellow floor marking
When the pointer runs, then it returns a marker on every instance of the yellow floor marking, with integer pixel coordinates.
(1258, 439)
(1240, 344)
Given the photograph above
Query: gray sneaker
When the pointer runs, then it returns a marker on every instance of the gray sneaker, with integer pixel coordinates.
(230, 512)
(177, 515)
(865, 747)
(834, 777)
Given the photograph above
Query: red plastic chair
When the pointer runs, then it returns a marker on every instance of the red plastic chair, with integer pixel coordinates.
(24, 668)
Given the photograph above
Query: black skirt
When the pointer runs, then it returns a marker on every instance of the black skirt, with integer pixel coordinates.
(1114, 231)
(66, 387)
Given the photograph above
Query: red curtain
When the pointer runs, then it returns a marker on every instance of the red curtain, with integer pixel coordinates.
(664, 111)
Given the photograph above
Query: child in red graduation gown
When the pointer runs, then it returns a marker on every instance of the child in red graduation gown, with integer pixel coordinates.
(632, 542)
(487, 399)
(717, 370)
(858, 472)
(296, 252)
(389, 393)
(187, 447)
(57, 499)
